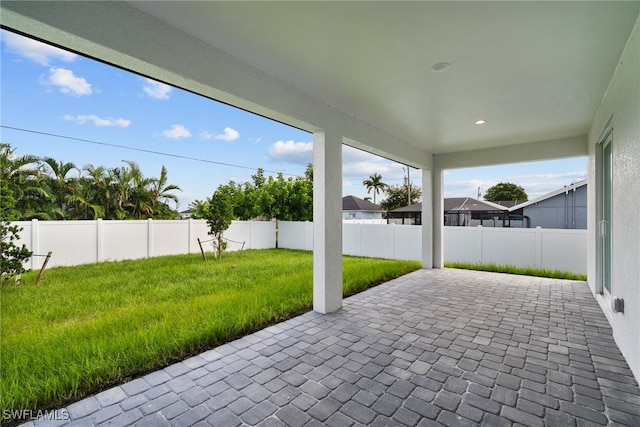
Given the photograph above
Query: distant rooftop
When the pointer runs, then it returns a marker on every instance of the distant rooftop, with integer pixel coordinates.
(353, 203)
(565, 189)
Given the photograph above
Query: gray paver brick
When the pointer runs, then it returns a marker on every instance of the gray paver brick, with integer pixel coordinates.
(339, 420)
(387, 405)
(191, 417)
(224, 418)
(358, 412)
(450, 419)
(324, 409)
(240, 405)
(421, 407)
(481, 403)
(153, 420)
(106, 414)
(259, 412)
(174, 409)
(315, 389)
(584, 413)
(521, 417)
(447, 400)
(194, 396)
(83, 408)
(134, 387)
(292, 416)
(491, 420)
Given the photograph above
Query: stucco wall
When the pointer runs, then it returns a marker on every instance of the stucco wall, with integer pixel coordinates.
(566, 210)
(621, 105)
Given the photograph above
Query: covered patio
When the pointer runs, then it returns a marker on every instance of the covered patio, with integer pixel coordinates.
(436, 86)
(435, 347)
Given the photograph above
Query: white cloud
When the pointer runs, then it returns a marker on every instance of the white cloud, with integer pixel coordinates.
(228, 135)
(577, 175)
(98, 121)
(467, 188)
(68, 83)
(291, 152)
(177, 132)
(156, 89)
(36, 51)
(206, 135)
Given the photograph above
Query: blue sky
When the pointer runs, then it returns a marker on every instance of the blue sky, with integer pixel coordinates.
(51, 91)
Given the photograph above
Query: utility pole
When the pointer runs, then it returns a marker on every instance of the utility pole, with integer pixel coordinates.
(407, 182)
(479, 192)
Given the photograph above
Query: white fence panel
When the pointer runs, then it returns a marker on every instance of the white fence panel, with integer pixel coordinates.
(530, 247)
(198, 229)
(168, 237)
(511, 247)
(462, 244)
(263, 235)
(295, 235)
(120, 240)
(564, 250)
(82, 242)
(371, 240)
(407, 242)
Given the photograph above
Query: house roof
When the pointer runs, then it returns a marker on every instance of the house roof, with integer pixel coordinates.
(470, 204)
(353, 203)
(565, 189)
(457, 204)
(416, 207)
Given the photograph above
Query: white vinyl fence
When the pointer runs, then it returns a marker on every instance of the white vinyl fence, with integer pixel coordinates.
(530, 247)
(553, 249)
(370, 240)
(82, 242)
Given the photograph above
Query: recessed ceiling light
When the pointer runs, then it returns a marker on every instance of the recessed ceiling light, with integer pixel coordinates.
(480, 121)
(440, 67)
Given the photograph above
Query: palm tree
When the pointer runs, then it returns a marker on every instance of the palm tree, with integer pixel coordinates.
(160, 190)
(23, 178)
(374, 183)
(60, 186)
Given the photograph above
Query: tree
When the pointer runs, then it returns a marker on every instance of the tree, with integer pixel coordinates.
(59, 185)
(279, 198)
(506, 191)
(374, 183)
(219, 215)
(397, 196)
(11, 255)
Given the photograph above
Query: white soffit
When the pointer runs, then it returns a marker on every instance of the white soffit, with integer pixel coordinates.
(534, 70)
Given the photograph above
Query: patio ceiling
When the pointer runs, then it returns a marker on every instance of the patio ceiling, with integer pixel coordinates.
(534, 70)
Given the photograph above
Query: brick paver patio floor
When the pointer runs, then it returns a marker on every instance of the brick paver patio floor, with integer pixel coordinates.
(435, 347)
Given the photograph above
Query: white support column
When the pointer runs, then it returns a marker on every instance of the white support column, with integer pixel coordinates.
(327, 222)
(438, 215)
(427, 215)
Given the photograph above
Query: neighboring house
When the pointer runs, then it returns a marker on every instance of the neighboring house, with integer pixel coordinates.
(355, 208)
(411, 215)
(185, 214)
(466, 211)
(458, 211)
(563, 208)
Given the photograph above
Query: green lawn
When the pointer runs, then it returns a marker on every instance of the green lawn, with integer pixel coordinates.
(86, 327)
(522, 271)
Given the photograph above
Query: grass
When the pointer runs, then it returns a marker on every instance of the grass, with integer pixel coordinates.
(523, 271)
(87, 327)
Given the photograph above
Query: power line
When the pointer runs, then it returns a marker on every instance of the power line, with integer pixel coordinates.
(124, 147)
